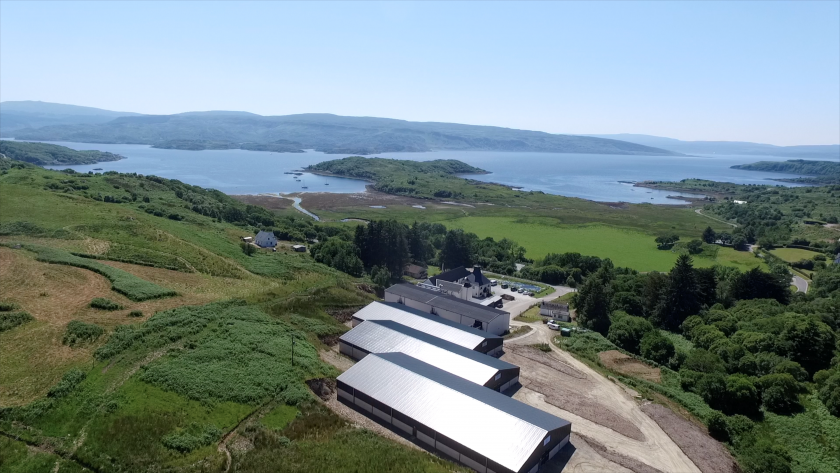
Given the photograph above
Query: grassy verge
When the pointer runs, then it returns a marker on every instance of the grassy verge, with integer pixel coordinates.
(530, 315)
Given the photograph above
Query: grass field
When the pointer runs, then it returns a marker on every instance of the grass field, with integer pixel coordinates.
(792, 255)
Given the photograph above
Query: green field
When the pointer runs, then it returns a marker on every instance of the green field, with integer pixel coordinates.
(792, 255)
(627, 248)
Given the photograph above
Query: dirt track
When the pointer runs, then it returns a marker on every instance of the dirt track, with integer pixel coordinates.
(657, 450)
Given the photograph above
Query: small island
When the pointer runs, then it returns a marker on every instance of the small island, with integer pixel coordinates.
(43, 154)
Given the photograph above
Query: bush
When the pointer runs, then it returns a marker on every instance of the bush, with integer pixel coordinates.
(247, 248)
(135, 313)
(780, 393)
(718, 427)
(656, 347)
(8, 306)
(79, 332)
(830, 394)
(627, 331)
(704, 362)
(68, 383)
(10, 320)
(742, 397)
(105, 304)
(186, 442)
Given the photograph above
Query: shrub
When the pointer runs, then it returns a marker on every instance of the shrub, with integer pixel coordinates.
(627, 331)
(10, 320)
(68, 383)
(656, 347)
(186, 442)
(135, 313)
(742, 397)
(780, 393)
(703, 361)
(248, 248)
(105, 304)
(79, 332)
(8, 306)
(718, 426)
(830, 394)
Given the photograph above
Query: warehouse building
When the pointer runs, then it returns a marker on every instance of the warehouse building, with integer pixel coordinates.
(449, 307)
(386, 336)
(482, 429)
(467, 337)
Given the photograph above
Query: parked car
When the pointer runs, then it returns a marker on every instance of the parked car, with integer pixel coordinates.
(513, 288)
(493, 282)
(553, 325)
(504, 285)
(521, 290)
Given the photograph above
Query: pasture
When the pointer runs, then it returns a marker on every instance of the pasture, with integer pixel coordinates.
(792, 255)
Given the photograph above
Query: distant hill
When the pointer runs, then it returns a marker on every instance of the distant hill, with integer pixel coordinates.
(323, 132)
(795, 166)
(729, 147)
(32, 114)
(44, 154)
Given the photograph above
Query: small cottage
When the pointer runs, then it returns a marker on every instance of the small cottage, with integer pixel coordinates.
(555, 310)
(299, 248)
(265, 239)
(416, 271)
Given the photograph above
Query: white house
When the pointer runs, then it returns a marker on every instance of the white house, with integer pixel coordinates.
(266, 239)
(461, 283)
(555, 310)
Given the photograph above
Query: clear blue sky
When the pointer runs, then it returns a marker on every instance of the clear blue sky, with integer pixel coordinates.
(752, 71)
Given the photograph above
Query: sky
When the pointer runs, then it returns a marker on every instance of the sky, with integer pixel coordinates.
(767, 72)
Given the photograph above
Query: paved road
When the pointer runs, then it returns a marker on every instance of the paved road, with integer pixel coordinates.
(800, 283)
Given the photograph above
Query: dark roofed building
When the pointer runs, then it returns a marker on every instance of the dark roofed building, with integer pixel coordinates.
(461, 282)
(455, 418)
(449, 307)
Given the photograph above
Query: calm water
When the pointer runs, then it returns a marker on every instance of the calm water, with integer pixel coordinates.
(589, 176)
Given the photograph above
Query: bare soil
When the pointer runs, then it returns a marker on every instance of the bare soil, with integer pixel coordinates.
(707, 453)
(617, 361)
(545, 359)
(612, 416)
(633, 465)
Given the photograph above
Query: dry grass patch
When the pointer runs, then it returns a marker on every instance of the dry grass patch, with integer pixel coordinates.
(621, 363)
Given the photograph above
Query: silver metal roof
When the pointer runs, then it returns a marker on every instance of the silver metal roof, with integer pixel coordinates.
(386, 336)
(447, 302)
(502, 429)
(433, 325)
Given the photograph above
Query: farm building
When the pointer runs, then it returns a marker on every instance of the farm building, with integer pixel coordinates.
(387, 336)
(457, 310)
(456, 333)
(415, 271)
(461, 283)
(482, 429)
(299, 248)
(555, 310)
(266, 239)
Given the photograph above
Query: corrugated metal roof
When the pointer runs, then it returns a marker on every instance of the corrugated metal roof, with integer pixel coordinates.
(447, 302)
(502, 429)
(386, 336)
(433, 325)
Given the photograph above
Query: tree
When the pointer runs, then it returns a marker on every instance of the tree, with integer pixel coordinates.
(807, 342)
(830, 394)
(780, 393)
(756, 284)
(656, 347)
(742, 397)
(718, 427)
(627, 331)
(694, 247)
(380, 276)
(666, 242)
(247, 248)
(739, 242)
(455, 251)
(680, 299)
(339, 254)
(709, 235)
(594, 300)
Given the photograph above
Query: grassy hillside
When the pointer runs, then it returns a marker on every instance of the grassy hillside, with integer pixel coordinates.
(329, 133)
(199, 380)
(44, 154)
(794, 166)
